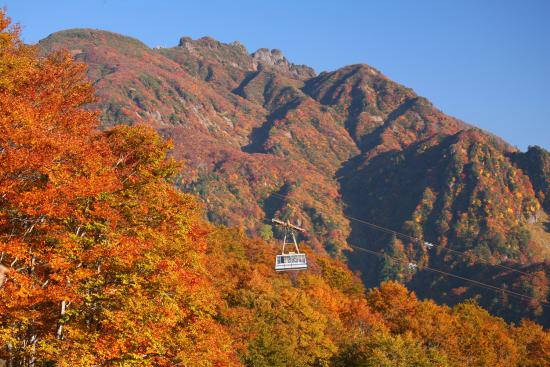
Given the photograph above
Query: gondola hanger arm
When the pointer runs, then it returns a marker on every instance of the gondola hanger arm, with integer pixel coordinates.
(287, 224)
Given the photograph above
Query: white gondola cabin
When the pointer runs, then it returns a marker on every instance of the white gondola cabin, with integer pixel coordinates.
(292, 260)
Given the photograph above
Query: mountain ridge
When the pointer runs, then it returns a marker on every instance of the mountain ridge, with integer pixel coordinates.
(340, 143)
(104, 261)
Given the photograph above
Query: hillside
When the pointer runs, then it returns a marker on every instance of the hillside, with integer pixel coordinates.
(103, 262)
(253, 127)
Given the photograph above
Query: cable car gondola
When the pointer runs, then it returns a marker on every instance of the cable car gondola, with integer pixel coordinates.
(291, 260)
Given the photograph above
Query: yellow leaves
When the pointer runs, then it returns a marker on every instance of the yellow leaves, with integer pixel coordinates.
(339, 277)
(93, 220)
(535, 206)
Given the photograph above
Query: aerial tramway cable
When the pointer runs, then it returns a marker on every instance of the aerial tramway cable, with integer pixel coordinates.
(481, 284)
(429, 244)
(442, 272)
(418, 240)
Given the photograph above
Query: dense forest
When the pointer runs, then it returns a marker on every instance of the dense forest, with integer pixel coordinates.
(263, 137)
(105, 262)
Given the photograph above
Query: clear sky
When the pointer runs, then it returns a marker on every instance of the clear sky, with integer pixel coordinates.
(486, 62)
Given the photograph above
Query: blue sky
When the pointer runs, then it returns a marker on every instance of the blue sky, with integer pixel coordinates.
(486, 62)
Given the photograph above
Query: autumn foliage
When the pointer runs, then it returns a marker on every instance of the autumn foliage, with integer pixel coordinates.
(103, 256)
(262, 137)
(105, 263)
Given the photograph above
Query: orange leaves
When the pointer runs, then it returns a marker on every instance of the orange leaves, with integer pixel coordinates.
(109, 264)
(266, 312)
(88, 220)
(45, 140)
(534, 343)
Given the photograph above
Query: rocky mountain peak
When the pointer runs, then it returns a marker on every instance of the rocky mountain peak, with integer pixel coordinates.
(210, 44)
(275, 59)
(185, 41)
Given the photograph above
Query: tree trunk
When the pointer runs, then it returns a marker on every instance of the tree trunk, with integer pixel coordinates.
(60, 326)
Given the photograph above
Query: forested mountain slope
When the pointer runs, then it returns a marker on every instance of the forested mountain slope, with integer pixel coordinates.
(103, 262)
(261, 136)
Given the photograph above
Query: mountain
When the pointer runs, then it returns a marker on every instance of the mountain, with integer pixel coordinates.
(104, 262)
(262, 137)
